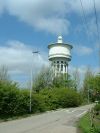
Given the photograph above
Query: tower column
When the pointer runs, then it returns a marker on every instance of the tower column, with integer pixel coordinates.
(63, 68)
(55, 66)
(67, 71)
(59, 67)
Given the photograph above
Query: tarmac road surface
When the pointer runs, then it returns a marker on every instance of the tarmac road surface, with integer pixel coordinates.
(60, 121)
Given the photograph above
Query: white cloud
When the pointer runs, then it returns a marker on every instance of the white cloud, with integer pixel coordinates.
(82, 50)
(92, 27)
(19, 59)
(55, 25)
(50, 16)
(41, 14)
(2, 6)
(88, 6)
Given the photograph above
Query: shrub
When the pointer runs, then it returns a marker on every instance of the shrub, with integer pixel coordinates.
(50, 99)
(38, 103)
(22, 102)
(61, 98)
(8, 98)
(97, 109)
(14, 102)
(69, 98)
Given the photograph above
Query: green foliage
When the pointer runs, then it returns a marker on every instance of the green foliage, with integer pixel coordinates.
(61, 98)
(91, 86)
(38, 103)
(88, 82)
(4, 76)
(43, 79)
(51, 98)
(84, 124)
(76, 78)
(59, 81)
(69, 98)
(12, 101)
(97, 107)
(96, 83)
(46, 79)
(15, 101)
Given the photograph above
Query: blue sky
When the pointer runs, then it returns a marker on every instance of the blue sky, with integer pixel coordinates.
(27, 25)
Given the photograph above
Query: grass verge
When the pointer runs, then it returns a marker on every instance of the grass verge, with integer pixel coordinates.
(84, 124)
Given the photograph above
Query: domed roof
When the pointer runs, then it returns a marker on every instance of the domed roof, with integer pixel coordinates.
(60, 50)
(59, 43)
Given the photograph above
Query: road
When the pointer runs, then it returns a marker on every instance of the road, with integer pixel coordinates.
(60, 121)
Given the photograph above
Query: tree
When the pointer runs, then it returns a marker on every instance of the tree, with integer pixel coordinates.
(46, 79)
(76, 78)
(88, 83)
(43, 80)
(59, 81)
(96, 87)
(4, 76)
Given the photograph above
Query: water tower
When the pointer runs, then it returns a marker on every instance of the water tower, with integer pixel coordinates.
(59, 56)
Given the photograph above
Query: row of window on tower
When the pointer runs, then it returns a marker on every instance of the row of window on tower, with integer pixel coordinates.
(62, 62)
(60, 66)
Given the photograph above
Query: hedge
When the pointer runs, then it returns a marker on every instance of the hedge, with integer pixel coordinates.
(14, 102)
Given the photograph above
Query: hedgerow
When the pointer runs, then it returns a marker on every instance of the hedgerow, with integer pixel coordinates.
(14, 101)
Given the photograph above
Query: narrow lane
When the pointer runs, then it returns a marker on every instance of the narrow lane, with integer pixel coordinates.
(61, 121)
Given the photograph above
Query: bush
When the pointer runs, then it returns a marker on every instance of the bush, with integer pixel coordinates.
(8, 98)
(22, 102)
(14, 102)
(51, 98)
(61, 98)
(38, 103)
(69, 98)
(97, 109)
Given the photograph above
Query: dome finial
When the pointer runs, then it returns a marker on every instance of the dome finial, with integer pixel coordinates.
(60, 40)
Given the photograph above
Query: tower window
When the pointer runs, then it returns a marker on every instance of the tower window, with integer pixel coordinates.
(57, 61)
(58, 67)
(61, 67)
(65, 68)
(61, 61)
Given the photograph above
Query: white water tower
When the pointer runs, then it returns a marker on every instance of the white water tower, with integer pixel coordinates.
(59, 56)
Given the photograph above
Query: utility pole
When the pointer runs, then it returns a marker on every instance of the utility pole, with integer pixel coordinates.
(31, 86)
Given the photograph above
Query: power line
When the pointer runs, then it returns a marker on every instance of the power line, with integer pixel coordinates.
(97, 25)
(84, 16)
(86, 25)
(95, 12)
(84, 20)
